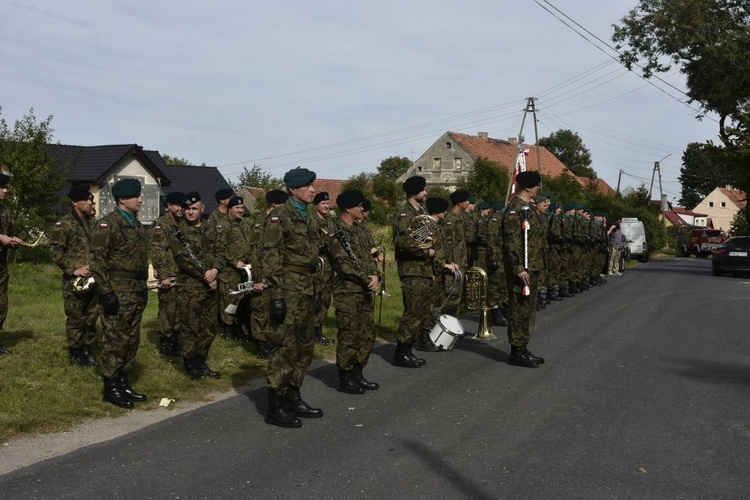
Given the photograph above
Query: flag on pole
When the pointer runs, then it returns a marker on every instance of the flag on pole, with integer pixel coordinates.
(520, 167)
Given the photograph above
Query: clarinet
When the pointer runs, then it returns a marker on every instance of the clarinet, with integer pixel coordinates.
(347, 246)
(185, 243)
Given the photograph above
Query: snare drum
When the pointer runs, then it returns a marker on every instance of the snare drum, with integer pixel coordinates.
(446, 331)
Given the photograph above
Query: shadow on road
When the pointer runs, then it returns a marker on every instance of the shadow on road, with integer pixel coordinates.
(710, 371)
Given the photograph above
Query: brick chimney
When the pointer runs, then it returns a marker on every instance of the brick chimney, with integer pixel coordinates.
(483, 135)
(512, 140)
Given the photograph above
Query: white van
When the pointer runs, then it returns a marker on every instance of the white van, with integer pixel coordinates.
(634, 231)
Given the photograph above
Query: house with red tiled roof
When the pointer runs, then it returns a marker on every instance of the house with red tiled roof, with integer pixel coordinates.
(721, 205)
(686, 217)
(450, 158)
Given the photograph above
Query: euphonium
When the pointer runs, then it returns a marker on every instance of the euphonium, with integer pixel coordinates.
(423, 229)
(82, 284)
(475, 296)
(245, 286)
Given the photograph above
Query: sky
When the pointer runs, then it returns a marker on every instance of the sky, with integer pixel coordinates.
(338, 86)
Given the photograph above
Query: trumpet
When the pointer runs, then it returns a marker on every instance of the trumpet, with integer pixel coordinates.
(32, 245)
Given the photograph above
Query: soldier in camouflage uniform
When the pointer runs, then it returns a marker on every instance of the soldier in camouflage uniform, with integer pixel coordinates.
(233, 253)
(289, 262)
(541, 203)
(454, 231)
(165, 271)
(470, 219)
(193, 241)
(523, 263)
(119, 264)
(70, 249)
(259, 299)
(497, 282)
(8, 239)
(356, 278)
(218, 218)
(415, 272)
(557, 257)
(323, 225)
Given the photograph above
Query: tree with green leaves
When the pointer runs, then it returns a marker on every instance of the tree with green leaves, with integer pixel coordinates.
(487, 180)
(257, 177)
(38, 184)
(568, 147)
(703, 169)
(394, 166)
(176, 160)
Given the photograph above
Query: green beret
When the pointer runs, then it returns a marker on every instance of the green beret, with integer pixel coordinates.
(126, 188)
(298, 177)
(543, 197)
(568, 207)
(483, 205)
(498, 207)
(472, 200)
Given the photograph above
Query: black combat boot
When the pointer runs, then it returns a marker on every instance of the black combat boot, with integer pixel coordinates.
(565, 292)
(128, 390)
(424, 343)
(572, 288)
(193, 369)
(277, 415)
(295, 405)
(540, 304)
(76, 356)
(554, 294)
(208, 372)
(347, 383)
(519, 357)
(88, 356)
(497, 318)
(361, 380)
(5, 350)
(536, 359)
(421, 361)
(262, 349)
(403, 356)
(544, 292)
(228, 332)
(113, 394)
(319, 337)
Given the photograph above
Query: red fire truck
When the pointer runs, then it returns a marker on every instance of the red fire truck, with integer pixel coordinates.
(700, 241)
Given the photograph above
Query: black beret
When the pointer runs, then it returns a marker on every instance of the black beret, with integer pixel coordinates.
(175, 198)
(79, 192)
(276, 196)
(234, 201)
(414, 185)
(322, 196)
(4, 180)
(528, 179)
(436, 205)
(298, 177)
(483, 205)
(366, 205)
(459, 196)
(349, 199)
(126, 188)
(191, 199)
(223, 194)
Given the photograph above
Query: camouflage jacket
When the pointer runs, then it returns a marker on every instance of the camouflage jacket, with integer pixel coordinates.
(454, 234)
(232, 246)
(290, 254)
(494, 240)
(410, 259)
(323, 228)
(349, 252)
(6, 228)
(160, 247)
(513, 237)
(118, 247)
(194, 251)
(255, 236)
(70, 242)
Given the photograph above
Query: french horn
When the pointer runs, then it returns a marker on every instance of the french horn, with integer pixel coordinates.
(423, 229)
(81, 284)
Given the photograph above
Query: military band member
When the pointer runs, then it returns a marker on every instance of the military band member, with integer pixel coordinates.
(523, 238)
(457, 251)
(8, 239)
(119, 264)
(355, 280)
(70, 249)
(323, 225)
(233, 254)
(541, 202)
(415, 272)
(165, 271)
(289, 262)
(446, 271)
(221, 213)
(193, 246)
(259, 299)
(496, 277)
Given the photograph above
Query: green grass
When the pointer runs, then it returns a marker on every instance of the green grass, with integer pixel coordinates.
(41, 392)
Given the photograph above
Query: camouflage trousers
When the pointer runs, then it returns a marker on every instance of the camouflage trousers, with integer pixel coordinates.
(293, 343)
(3, 294)
(81, 314)
(122, 331)
(228, 282)
(197, 309)
(522, 310)
(498, 286)
(320, 316)
(259, 305)
(417, 297)
(356, 329)
(555, 266)
(168, 319)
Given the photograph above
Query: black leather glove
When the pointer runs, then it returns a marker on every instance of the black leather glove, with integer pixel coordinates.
(318, 302)
(278, 310)
(110, 304)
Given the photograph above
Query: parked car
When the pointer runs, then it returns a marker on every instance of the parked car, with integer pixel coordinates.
(732, 256)
(635, 233)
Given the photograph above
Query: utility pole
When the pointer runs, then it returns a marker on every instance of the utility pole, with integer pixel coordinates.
(619, 178)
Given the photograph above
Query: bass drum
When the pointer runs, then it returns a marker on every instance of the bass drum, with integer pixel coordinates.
(446, 332)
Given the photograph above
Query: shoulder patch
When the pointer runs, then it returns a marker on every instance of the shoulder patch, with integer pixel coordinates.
(274, 219)
(402, 215)
(103, 225)
(58, 223)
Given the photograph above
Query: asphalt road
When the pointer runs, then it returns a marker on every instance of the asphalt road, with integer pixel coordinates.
(644, 395)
